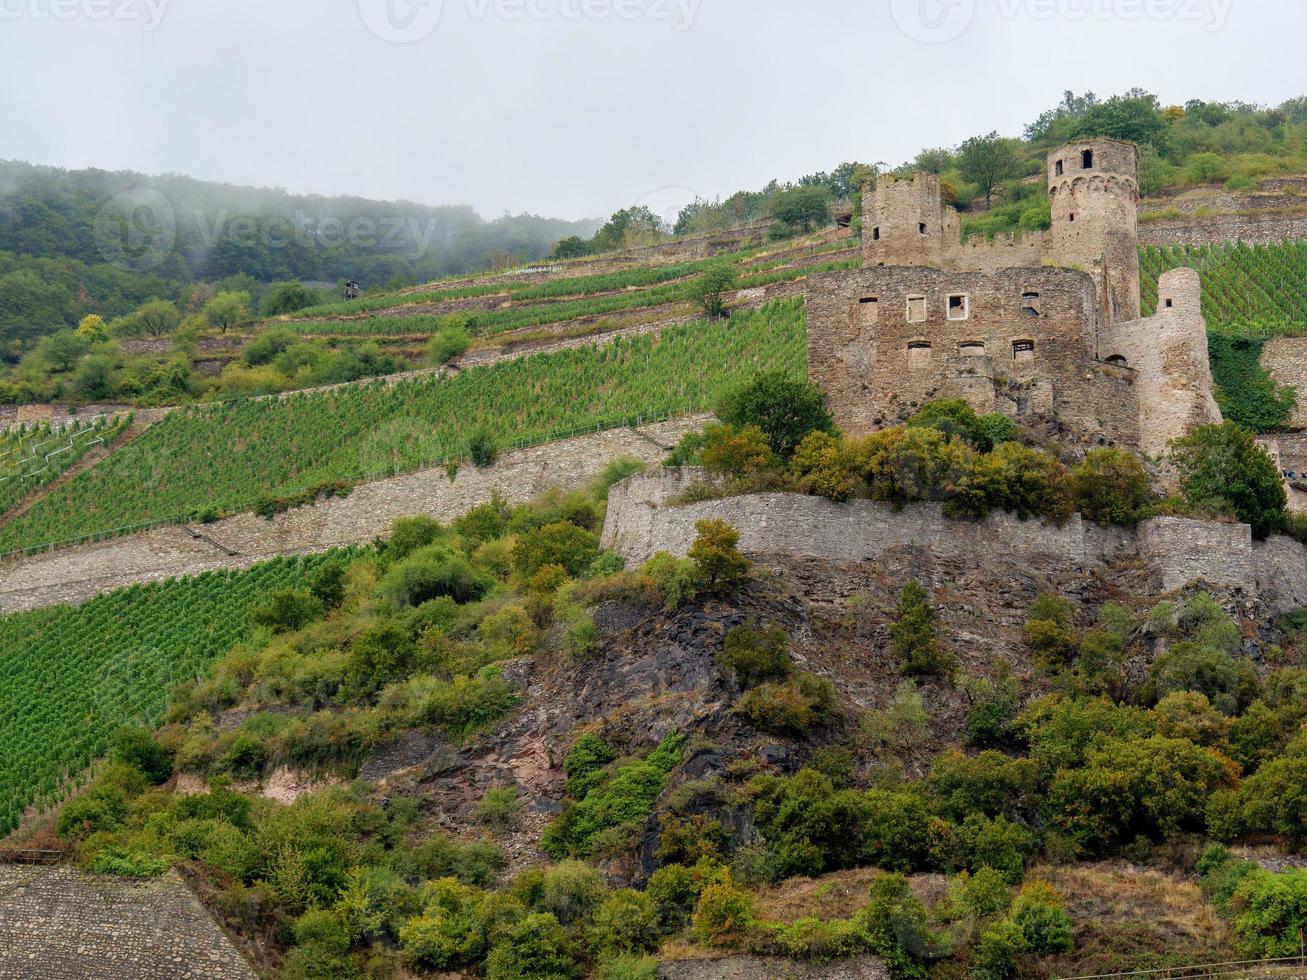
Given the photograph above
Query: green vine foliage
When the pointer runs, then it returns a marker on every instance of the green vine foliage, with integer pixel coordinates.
(1246, 391)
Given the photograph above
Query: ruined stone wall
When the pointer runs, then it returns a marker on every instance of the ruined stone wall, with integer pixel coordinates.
(1223, 228)
(77, 574)
(643, 519)
(884, 341)
(59, 924)
(1289, 450)
(1286, 359)
(1169, 353)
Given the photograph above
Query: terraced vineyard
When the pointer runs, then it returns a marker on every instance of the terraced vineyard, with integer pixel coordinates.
(225, 457)
(69, 677)
(31, 458)
(1248, 290)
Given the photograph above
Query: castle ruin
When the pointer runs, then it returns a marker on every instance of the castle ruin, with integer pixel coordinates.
(1039, 326)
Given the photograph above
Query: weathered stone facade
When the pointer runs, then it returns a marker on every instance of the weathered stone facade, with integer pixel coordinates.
(1286, 359)
(1218, 229)
(77, 574)
(1047, 325)
(58, 924)
(643, 519)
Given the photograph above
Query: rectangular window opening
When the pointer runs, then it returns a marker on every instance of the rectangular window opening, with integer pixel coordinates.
(1170, 304)
(919, 356)
(1059, 169)
(1088, 159)
(1023, 350)
(875, 234)
(869, 310)
(959, 307)
(1030, 305)
(916, 309)
(922, 228)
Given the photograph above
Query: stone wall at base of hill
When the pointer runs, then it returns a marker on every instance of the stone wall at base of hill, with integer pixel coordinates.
(644, 517)
(76, 574)
(59, 924)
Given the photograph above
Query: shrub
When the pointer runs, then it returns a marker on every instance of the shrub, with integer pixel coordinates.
(756, 656)
(585, 762)
(732, 451)
(790, 708)
(536, 948)
(994, 705)
(482, 448)
(715, 552)
(724, 914)
(571, 891)
(1110, 486)
(824, 466)
(1027, 482)
(628, 968)
(500, 808)
(408, 534)
(1270, 914)
(625, 923)
(1227, 683)
(902, 724)
(786, 409)
(983, 897)
(122, 863)
(1050, 629)
(990, 783)
(431, 573)
(328, 584)
(135, 746)
(287, 610)
(561, 543)
(894, 926)
(1000, 945)
(1274, 799)
(450, 933)
(1189, 715)
(904, 465)
(913, 635)
(1062, 734)
(1225, 470)
(1043, 919)
(677, 579)
(956, 419)
(998, 843)
(449, 344)
(674, 891)
(708, 289)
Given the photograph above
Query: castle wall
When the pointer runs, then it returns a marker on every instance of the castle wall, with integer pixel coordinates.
(1169, 353)
(642, 519)
(880, 361)
(1224, 228)
(1289, 450)
(1286, 359)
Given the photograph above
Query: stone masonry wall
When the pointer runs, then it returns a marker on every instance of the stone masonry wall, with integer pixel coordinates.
(1286, 359)
(77, 574)
(642, 519)
(58, 924)
(1219, 229)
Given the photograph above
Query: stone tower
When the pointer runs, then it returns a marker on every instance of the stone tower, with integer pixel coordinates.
(905, 222)
(1093, 188)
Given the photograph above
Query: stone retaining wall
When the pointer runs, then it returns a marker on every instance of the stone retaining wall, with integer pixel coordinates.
(58, 924)
(1222, 228)
(77, 574)
(643, 519)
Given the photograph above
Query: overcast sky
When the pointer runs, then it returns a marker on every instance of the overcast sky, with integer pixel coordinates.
(574, 108)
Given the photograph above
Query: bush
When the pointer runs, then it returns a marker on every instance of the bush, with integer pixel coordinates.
(708, 289)
(1274, 799)
(677, 579)
(825, 467)
(1228, 684)
(1050, 629)
(1270, 914)
(287, 610)
(431, 573)
(894, 926)
(584, 764)
(908, 465)
(786, 409)
(793, 708)
(715, 553)
(536, 948)
(482, 448)
(999, 947)
(571, 547)
(724, 914)
(1027, 482)
(1043, 919)
(500, 808)
(449, 344)
(1224, 470)
(994, 705)
(990, 783)
(913, 635)
(956, 419)
(998, 843)
(625, 923)
(1189, 715)
(121, 863)
(983, 897)
(1111, 486)
(136, 747)
(757, 656)
(628, 968)
(571, 891)
(740, 452)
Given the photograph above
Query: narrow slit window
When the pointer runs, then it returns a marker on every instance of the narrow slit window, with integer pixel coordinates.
(1059, 169)
(916, 309)
(922, 228)
(1087, 158)
(875, 234)
(959, 306)
(1030, 305)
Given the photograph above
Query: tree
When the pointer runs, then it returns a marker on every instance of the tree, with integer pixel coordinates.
(630, 226)
(226, 310)
(709, 288)
(157, 318)
(572, 247)
(716, 554)
(785, 408)
(286, 297)
(1224, 469)
(913, 635)
(1110, 486)
(1134, 117)
(988, 161)
(62, 350)
(91, 327)
(802, 208)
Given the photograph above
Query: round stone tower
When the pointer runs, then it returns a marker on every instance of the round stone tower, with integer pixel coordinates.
(1093, 188)
(904, 222)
